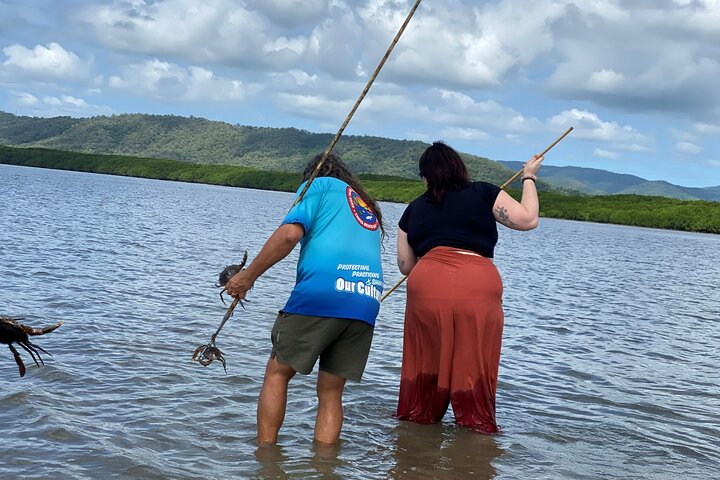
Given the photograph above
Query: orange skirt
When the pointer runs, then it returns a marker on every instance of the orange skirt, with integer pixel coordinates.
(452, 340)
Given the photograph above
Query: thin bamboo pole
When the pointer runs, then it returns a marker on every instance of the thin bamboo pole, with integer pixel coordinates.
(519, 172)
(357, 104)
(503, 187)
(369, 84)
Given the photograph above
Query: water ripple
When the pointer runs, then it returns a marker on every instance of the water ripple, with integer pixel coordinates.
(608, 370)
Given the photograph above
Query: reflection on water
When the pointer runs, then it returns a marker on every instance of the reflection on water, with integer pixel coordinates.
(608, 371)
(325, 460)
(269, 461)
(417, 452)
(443, 452)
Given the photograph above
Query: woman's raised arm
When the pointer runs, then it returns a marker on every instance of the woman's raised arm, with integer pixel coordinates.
(522, 215)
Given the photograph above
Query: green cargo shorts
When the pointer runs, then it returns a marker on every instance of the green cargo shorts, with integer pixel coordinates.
(342, 345)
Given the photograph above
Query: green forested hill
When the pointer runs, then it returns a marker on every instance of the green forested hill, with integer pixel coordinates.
(621, 209)
(198, 140)
(15, 130)
(594, 181)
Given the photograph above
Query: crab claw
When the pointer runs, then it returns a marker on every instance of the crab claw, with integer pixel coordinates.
(18, 360)
(217, 355)
(40, 331)
(205, 354)
(239, 301)
(201, 355)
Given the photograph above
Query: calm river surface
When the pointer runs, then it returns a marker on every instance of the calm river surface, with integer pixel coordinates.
(609, 369)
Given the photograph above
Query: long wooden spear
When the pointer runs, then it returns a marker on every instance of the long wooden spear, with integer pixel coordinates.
(207, 353)
(347, 120)
(519, 172)
(359, 100)
(503, 187)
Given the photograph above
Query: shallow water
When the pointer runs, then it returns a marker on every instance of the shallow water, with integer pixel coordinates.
(609, 366)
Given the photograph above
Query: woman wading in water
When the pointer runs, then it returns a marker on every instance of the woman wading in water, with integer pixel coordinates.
(454, 316)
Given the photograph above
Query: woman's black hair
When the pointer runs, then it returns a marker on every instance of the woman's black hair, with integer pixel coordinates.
(443, 169)
(333, 166)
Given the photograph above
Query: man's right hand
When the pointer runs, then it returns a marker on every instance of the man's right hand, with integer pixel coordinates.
(240, 284)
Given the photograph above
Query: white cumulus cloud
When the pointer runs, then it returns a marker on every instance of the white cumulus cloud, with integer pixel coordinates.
(688, 148)
(216, 31)
(599, 152)
(436, 109)
(638, 56)
(605, 80)
(462, 43)
(291, 13)
(457, 133)
(26, 99)
(703, 128)
(461, 110)
(170, 82)
(589, 126)
(56, 105)
(44, 63)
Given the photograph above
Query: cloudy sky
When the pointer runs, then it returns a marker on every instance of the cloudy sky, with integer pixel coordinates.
(637, 79)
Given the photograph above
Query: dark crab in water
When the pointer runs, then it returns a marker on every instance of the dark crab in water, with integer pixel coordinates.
(205, 354)
(12, 331)
(229, 272)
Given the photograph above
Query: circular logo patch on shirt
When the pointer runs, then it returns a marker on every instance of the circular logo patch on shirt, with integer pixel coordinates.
(361, 211)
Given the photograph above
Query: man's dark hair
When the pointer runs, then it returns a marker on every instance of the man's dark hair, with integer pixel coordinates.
(336, 168)
(443, 169)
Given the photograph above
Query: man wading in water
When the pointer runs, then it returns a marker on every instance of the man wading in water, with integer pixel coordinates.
(331, 312)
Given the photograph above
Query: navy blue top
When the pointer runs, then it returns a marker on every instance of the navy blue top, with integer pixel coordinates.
(463, 220)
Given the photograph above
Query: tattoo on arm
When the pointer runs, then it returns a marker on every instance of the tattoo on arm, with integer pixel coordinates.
(504, 217)
(401, 264)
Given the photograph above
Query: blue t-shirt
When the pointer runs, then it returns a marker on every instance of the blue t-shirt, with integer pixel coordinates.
(339, 273)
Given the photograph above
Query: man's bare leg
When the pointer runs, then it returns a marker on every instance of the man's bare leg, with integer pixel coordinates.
(330, 410)
(272, 401)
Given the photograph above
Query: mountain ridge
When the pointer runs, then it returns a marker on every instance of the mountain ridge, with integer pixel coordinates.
(199, 140)
(593, 181)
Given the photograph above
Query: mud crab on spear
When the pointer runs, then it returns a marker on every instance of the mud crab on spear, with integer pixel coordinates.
(205, 354)
(12, 331)
(229, 272)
